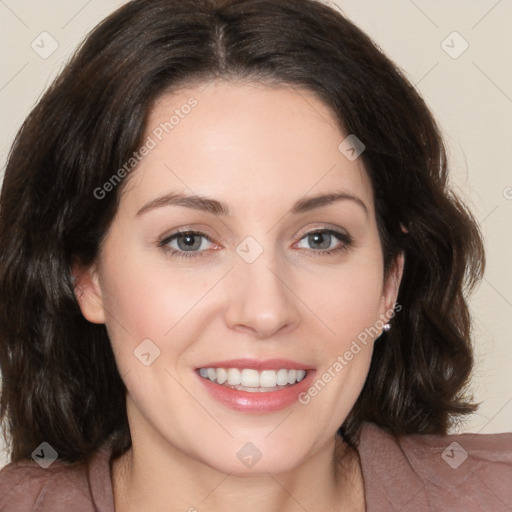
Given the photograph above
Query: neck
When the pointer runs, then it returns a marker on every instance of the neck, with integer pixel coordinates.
(157, 480)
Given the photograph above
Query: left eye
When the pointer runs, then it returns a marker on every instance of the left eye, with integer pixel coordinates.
(323, 239)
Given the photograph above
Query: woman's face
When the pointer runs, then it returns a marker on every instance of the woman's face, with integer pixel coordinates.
(272, 280)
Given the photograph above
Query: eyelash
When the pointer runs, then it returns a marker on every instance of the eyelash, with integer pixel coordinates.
(345, 238)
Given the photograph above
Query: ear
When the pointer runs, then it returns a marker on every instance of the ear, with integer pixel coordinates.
(392, 284)
(88, 292)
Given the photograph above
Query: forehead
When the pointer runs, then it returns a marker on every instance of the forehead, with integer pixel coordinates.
(232, 141)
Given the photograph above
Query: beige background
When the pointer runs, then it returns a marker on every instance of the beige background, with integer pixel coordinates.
(470, 94)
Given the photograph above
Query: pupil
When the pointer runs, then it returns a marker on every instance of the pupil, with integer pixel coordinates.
(188, 242)
(319, 238)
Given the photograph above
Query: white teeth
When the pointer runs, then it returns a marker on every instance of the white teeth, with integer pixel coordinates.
(268, 379)
(222, 375)
(249, 378)
(282, 377)
(233, 376)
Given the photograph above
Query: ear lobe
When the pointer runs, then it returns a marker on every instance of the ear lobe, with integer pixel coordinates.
(88, 293)
(393, 280)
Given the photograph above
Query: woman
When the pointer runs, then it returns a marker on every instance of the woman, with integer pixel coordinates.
(173, 338)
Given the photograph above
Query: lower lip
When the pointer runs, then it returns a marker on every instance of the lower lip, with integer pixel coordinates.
(258, 402)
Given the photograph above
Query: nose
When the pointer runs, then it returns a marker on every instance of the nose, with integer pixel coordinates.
(261, 299)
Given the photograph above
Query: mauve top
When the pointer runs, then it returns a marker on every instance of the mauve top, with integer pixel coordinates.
(465, 472)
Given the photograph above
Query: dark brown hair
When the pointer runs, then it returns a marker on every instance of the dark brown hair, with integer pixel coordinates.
(60, 380)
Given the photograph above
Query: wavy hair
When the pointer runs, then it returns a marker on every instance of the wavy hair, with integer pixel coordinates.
(60, 379)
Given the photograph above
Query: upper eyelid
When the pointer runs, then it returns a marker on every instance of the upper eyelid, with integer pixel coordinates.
(329, 229)
(301, 235)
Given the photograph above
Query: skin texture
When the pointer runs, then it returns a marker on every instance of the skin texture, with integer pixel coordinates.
(258, 149)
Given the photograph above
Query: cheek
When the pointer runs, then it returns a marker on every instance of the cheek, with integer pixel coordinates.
(143, 301)
(349, 309)
(146, 297)
(348, 300)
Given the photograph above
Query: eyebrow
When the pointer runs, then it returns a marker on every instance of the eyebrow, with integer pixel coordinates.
(215, 207)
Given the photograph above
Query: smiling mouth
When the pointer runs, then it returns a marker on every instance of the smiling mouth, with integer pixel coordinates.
(252, 380)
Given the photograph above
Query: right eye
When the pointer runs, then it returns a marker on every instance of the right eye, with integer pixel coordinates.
(187, 244)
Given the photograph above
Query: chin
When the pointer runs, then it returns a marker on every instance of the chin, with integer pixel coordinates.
(258, 457)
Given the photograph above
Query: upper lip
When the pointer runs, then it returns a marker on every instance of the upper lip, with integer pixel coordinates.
(258, 364)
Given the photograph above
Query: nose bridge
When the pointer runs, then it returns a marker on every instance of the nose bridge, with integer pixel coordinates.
(260, 299)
